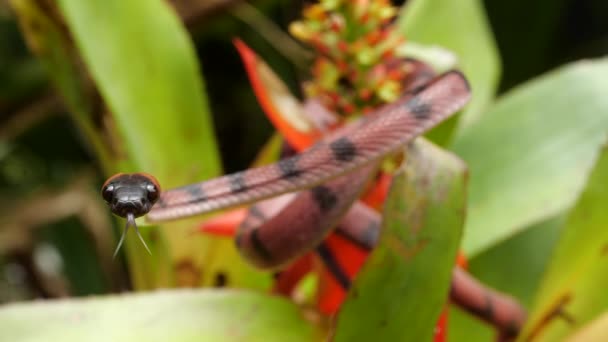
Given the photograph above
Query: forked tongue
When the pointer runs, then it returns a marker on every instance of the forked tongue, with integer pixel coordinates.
(130, 223)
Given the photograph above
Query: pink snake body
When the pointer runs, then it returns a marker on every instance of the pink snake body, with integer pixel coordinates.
(366, 142)
(357, 147)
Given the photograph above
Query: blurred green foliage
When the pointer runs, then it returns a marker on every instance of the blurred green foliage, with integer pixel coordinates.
(163, 316)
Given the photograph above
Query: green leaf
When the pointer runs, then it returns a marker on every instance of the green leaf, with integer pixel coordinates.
(530, 155)
(576, 280)
(595, 331)
(402, 288)
(184, 315)
(500, 268)
(145, 66)
(462, 27)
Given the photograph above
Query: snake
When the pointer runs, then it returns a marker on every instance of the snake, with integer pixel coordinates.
(299, 200)
(334, 170)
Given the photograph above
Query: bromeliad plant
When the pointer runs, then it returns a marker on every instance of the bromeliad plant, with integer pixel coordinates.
(423, 101)
(357, 70)
(359, 63)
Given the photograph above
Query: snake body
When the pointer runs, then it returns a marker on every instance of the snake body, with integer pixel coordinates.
(365, 142)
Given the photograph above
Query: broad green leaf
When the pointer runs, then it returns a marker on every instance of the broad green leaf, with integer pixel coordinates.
(462, 326)
(530, 155)
(47, 40)
(576, 280)
(402, 288)
(144, 65)
(500, 267)
(595, 331)
(184, 315)
(462, 27)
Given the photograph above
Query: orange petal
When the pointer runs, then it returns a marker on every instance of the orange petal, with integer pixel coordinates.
(225, 224)
(289, 278)
(442, 326)
(331, 294)
(461, 260)
(442, 323)
(374, 197)
(278, 104)
(350, 257)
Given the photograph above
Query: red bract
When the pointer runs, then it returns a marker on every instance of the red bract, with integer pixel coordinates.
(298, 139)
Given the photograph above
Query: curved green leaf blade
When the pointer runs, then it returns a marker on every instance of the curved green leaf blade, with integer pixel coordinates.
(462, 27)
(500, 268)
(595, 331)
(530, 155)
(577, 277)
(399, 293)
(183, 315)
(145, 67)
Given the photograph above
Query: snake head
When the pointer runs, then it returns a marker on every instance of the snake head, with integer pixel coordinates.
(131, 193)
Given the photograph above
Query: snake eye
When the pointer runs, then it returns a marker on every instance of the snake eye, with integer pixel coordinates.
(152, 192)
(108, 192)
